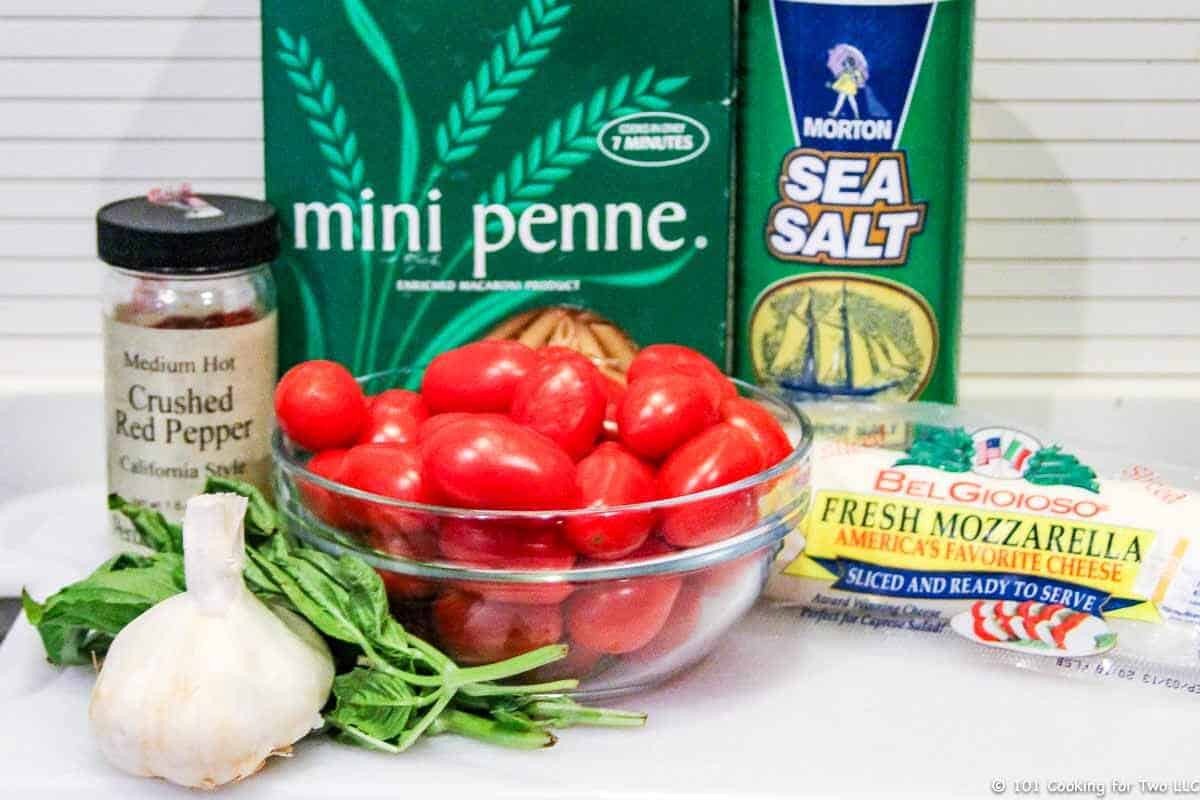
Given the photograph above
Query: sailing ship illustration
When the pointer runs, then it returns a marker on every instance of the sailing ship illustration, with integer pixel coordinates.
(835, 358)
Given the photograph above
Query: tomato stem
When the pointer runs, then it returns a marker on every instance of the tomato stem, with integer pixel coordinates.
(490, 689)
(563, 712)
(507, 669)
(491, 731)
(429, 718)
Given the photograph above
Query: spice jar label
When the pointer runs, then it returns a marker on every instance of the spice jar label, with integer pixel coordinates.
(184, 405)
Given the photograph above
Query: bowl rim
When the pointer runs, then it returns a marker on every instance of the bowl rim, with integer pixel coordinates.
(768, 532)
(287, 462)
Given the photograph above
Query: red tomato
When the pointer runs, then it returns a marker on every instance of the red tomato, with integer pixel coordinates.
(721, 455)
(621, 616)
(678, 628)
(320, 406)
(563, 399)
(489, 464)
(653, 548)
(663, 410)
(706, 521)
(557, 352)
(391, 471)
(612, 476)
(393, 417)
(614, 390)
(475, 630)
(768, 435)
(481, 376)
(326, 505)
(676, 358)
(438, 422)
(495, 544)
(401, 587)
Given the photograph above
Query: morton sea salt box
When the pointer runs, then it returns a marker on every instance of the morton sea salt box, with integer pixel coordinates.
(852, 185)
(553, 170)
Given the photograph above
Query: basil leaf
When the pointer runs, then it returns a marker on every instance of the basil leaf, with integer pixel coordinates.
(373, 703)
(81, 619)
(392, 644)
(314, 594)
(262, 518)
(367, 596)
(32, 608)
(152, 527)
(259, 582)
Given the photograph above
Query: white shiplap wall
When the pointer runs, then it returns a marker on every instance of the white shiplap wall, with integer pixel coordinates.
(1083, 273)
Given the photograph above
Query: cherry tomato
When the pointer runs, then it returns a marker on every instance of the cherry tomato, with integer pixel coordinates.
(721, 455)
(558, 352)
(662, 411)
(678, 629)
(768, 435)
(653, 548)
(496, 544)
(480, 376)
(475, 630)
(489, 464)
(326, 505)
(401, 587)
(320, 406)
(393, 417)
(612, 476)
(391, 471)
(620, 616)
(438, 422)
(676, 358)
(563, 399)
(614, 390)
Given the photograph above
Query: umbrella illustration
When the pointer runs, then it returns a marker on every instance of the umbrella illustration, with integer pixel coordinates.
(851, 71)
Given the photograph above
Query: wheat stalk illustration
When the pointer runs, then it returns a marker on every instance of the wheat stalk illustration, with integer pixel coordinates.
(317, 98)
(329, 123)
(553, 156)
(376, 43)
(570, 141)
(485, 98)
(482, 101)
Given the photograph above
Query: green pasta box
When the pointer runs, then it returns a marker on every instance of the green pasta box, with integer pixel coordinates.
(556, 171)
(852, 196)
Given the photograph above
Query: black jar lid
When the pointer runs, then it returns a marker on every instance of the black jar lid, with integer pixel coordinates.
(186, 234)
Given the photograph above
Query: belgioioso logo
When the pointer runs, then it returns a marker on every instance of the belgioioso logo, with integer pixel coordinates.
(653, 139)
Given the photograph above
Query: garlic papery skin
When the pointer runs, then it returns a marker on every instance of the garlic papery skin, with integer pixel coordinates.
(205, 686)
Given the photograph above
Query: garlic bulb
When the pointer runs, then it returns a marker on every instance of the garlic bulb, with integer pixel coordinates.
(206, 685)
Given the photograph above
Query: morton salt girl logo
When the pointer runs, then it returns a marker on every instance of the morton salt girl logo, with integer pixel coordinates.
(843, 198)
(844, 193)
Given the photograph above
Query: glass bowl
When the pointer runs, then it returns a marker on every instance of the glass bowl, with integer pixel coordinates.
(629, 624)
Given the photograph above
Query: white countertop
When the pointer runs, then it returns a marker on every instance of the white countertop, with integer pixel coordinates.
(781, 709)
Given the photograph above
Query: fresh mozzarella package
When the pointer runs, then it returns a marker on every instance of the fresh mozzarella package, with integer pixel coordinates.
(936, 521)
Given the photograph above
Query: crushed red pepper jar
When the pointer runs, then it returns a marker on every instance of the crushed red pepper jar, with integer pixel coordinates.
(190, 344)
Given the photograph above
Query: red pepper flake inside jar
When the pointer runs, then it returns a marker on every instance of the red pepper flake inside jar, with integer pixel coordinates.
(190, 344)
